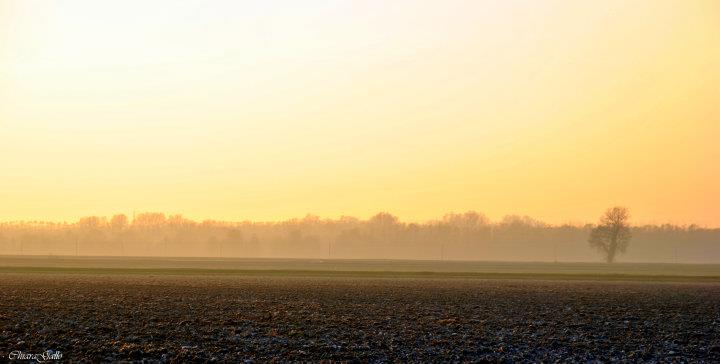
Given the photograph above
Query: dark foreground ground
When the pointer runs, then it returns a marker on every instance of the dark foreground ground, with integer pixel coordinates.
(197, 318)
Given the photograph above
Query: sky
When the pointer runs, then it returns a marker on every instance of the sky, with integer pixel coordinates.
(240, 110)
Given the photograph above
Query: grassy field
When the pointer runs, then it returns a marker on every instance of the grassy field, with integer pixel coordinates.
(365, 268)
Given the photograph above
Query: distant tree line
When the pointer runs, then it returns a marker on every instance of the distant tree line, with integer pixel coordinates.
(463, 236)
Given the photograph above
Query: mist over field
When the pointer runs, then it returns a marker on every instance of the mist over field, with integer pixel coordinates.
(574, 143)
(466, 236)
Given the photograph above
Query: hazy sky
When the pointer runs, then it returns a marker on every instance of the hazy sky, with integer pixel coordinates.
(273, 109)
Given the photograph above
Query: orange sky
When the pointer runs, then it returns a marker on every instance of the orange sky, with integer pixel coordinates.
(271, 110)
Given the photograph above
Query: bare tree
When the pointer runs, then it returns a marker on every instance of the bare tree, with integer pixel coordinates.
(612, 235)
(119, 222)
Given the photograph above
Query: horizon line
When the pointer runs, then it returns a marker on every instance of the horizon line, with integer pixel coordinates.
(488, 221)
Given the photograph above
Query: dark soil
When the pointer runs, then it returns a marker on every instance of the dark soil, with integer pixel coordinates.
(97, 318)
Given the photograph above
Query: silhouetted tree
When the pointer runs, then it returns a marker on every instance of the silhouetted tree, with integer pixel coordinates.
(383, 225)
(119, 222)
(470, 220)
(612, 235)
(92, 222)
(149, 219)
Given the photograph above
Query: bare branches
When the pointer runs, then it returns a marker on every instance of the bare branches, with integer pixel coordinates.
(612, 235)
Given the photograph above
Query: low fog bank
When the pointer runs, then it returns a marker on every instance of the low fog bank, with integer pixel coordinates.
(468, 236)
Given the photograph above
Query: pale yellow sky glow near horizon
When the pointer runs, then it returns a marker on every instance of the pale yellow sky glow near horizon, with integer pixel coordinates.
(269, 110)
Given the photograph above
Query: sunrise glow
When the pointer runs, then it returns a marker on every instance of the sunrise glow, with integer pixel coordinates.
(270, 110)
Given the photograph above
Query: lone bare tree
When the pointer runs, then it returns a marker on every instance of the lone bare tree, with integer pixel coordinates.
(612, 235)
